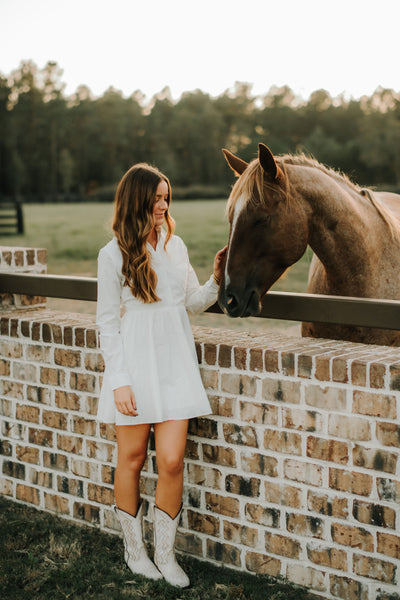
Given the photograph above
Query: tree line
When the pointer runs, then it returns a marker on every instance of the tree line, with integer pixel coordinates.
(55, 146)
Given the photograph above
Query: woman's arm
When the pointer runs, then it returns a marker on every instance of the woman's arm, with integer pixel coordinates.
(200, 297)
(109, 320)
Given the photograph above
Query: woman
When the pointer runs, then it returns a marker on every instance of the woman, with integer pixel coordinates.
(151, 375)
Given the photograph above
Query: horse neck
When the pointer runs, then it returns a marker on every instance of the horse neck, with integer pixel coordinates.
(341, 222)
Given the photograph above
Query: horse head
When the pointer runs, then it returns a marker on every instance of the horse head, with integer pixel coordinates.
(268, 232)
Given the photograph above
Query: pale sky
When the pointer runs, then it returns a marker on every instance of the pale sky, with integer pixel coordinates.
(343, 46)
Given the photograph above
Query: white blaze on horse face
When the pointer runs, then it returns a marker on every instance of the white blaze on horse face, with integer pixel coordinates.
(238, 209)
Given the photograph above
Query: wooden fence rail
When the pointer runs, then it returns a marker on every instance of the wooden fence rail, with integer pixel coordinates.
(342, 310)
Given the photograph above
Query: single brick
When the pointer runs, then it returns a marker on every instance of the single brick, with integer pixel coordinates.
(206, 524)
(358, 371)
(41, 437)
(328, 450)
(82, 382)
(86, 512)
(350, 481)
(349, 427)
(69, 443)
(86, 427)
(263, 564)
(355, 537)
(53, 377)
(374, 568)
(100, 494)
(204, 476)
(54, 461)
(371, 458)
(281, 391)
(239, 384)
(282, 545)
(377, 373)
(240, 534)
(284, 442)
(219, 455)
(241, 435)
(388, 434)
(303, 472)
(327, 505)
(28, 454)
(56, 420)
(260, 464)
(223, 407)
(224, 505)
(243, 486)
(306, 576)
(259, 413)
(56, 504)
(374, 405)
(203, 427)
(326, 397)
(94, 362)
(256, 359)
(388, 489)
(27, 494)
(67, 358)
(224, 553)
(388, 544)
(327, 557)
(300, 419)
(267, 517)
(225, 356)
(374, 514)
(210, 354)
(304, 525)
(67, 400)
(286, 495)
(28, 413)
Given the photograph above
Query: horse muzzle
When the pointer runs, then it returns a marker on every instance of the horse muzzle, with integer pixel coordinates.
(235, 303)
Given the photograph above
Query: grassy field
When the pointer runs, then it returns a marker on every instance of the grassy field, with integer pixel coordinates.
(43, 557)
(74, 233)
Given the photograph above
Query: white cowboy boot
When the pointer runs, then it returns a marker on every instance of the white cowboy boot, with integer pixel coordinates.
(135, 552)
(164, 556)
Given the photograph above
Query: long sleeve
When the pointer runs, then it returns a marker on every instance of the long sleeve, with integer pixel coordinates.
(109, 320)
(198, 297)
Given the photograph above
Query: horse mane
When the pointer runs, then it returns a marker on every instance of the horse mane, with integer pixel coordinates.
(253, 180)
(303, 160)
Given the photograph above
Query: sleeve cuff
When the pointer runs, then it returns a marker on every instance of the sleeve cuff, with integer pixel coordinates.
(119, 380)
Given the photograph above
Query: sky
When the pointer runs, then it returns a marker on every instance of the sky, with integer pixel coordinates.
(348, 47)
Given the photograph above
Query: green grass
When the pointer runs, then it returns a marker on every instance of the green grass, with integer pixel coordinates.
(43, 557)
(74, 233)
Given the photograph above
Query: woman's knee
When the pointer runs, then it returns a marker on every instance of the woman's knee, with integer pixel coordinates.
(133, 460)
(171, 465)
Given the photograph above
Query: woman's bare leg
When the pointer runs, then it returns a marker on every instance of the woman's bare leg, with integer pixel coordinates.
(132, 443)
(170, 440)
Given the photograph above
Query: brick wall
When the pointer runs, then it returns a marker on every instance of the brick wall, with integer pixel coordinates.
(296, 473)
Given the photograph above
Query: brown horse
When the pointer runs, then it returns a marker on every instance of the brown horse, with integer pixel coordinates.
(278, 206)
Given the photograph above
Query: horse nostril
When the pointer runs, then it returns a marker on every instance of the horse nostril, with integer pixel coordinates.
(231, 301)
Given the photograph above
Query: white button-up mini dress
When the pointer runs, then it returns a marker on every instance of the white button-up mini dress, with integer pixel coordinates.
(151, 348)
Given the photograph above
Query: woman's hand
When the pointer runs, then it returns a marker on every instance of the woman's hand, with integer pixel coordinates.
(219, 264)
(125, 401)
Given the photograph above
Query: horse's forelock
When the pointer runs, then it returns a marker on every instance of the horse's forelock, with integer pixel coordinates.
(251, 179)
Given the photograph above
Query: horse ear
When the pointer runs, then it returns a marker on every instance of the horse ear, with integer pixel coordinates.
(236, 164)
(267, 161)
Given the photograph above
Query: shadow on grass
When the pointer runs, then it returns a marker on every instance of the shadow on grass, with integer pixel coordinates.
(43, 557)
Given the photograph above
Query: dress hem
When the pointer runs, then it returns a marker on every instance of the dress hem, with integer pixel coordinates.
(112, 422)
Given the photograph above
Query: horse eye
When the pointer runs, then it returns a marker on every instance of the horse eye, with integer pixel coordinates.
(262, 221)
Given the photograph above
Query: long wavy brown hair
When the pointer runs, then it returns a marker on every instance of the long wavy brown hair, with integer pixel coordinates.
(132, 224)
